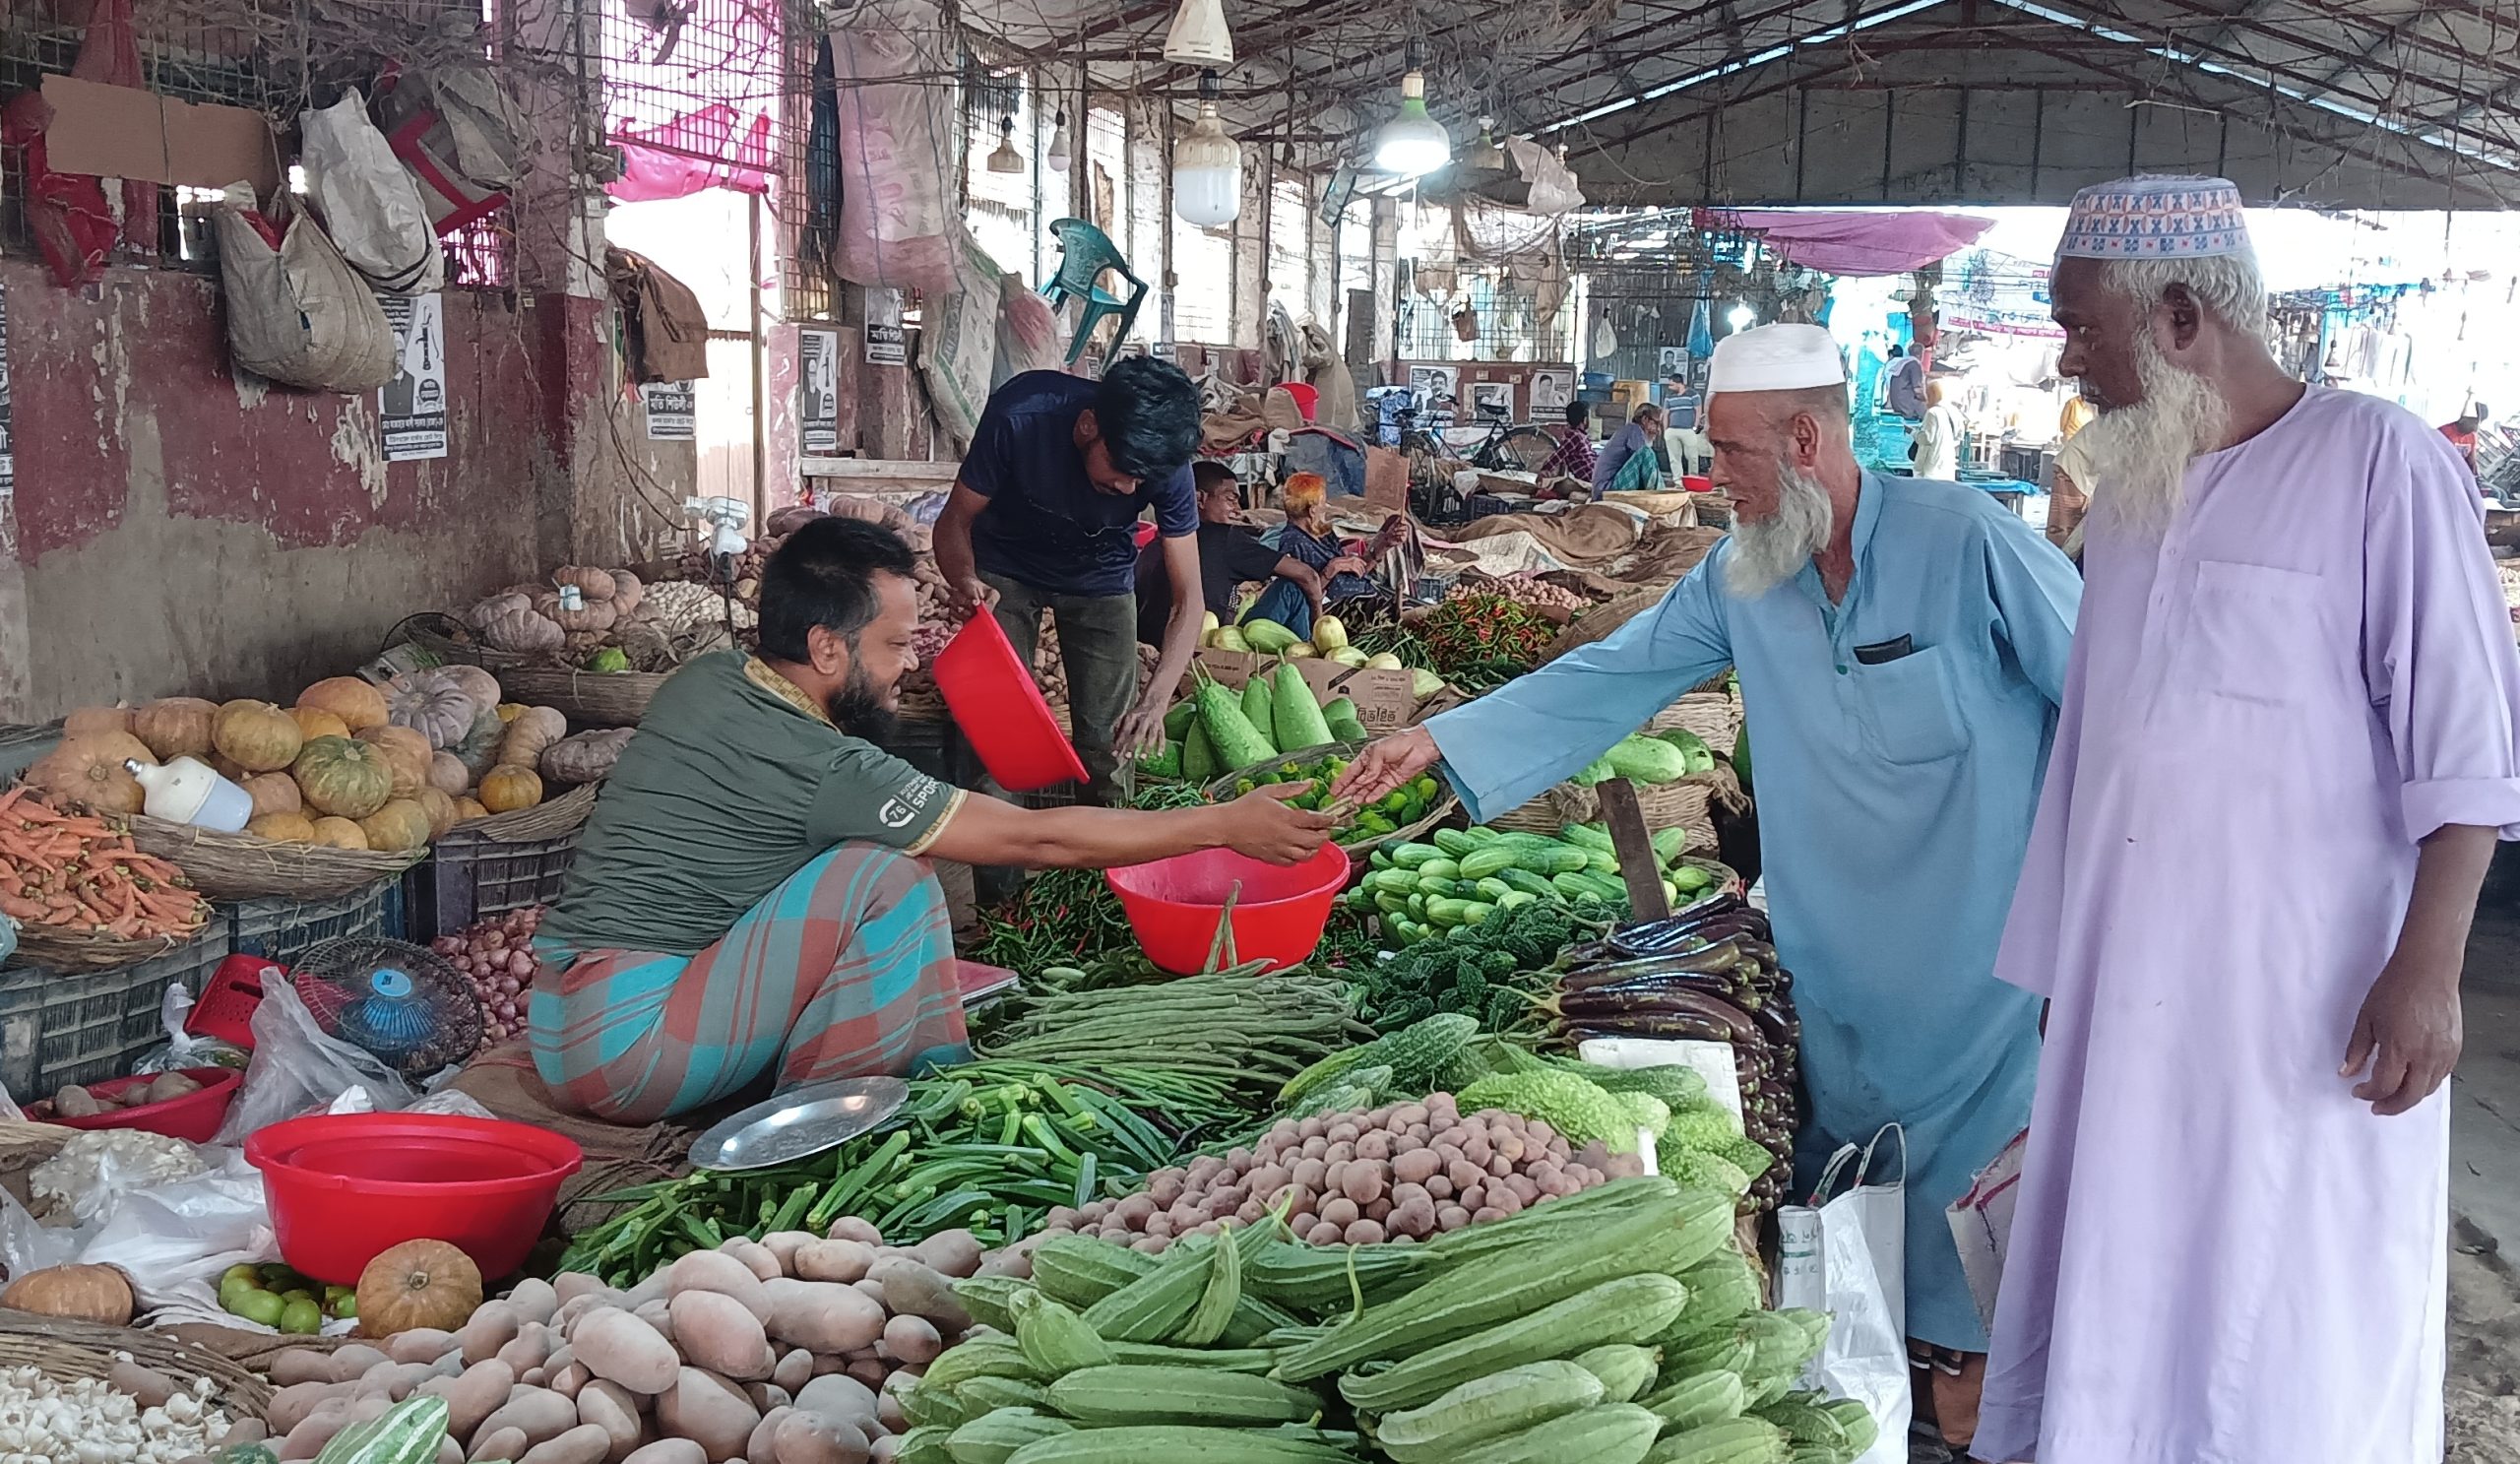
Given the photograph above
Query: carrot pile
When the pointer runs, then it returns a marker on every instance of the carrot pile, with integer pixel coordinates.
(77, 871)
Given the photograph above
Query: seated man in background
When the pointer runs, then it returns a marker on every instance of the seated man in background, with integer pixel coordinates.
(749, 898)
(1628, 462)
(1231, 554)
(1574, 455)
(1309, 538)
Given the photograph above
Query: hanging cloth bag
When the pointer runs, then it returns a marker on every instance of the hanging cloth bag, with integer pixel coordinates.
(297, 313)
(369, 205)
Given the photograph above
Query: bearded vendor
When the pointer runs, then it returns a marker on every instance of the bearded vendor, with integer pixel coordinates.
(1902, 646)
(751, 898)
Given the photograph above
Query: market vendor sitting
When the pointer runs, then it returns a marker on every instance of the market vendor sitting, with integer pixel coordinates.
(750, 898)
(1309, 539)
(1230, 555)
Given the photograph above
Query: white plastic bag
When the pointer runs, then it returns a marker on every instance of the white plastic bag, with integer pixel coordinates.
(1846, 1256)
(297, 1069)
(367, 200)
(182, 1050)
(174, 1240)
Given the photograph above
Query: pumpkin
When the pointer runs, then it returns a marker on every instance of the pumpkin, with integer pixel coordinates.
(477, 683)
(400, 825)
(511, 711)
(448, 775)
(468, 809)
(88, 722)
(256, 735)
(593, 584)
(406, 753)
(315, 722)
(89, 771)
(274, 792)
(522, 630)
(438, 806)
(343, 777)
(229, 768)
(434, 707)
(479, 752)
(175, 726)
(358, 703)
(339, 833)
(591, 618)
(533, 730)
(97, 1294)
(509, 787)
(587, 757)
(286, 828)
(627, 592)
(417, 1284)
(491, 606)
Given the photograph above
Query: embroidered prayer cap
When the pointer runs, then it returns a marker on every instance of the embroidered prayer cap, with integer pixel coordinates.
(2156, 217)
(1778, 357)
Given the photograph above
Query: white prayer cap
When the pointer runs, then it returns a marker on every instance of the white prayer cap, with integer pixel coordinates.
(1775, 358)
(2156, 217)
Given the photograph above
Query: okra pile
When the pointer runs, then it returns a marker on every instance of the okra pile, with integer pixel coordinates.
(1613, 1326)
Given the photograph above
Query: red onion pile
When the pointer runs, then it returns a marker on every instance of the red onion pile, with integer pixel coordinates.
(497, 957)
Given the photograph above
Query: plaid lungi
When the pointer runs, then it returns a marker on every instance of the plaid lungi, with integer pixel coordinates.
(845, 970)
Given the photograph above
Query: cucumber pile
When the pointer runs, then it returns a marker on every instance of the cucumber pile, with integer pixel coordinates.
(1462, 876)
(1615, 1326)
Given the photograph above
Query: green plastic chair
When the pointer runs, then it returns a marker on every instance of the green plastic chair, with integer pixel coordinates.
(1086, 252)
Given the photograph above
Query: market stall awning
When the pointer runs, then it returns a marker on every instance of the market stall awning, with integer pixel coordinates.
(1836, 242)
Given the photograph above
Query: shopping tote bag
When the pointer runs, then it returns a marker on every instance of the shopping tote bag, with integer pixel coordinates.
(1843, 1253)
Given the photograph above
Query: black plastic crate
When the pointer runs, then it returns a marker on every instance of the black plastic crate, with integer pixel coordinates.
(61, 1027)
(280, 929)
(467, 877)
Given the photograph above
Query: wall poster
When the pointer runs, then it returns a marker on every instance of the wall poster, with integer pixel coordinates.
(672, 410)
(410, 409)
(818, 391)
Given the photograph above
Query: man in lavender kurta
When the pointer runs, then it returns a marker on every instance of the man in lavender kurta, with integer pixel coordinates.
(2286, 750)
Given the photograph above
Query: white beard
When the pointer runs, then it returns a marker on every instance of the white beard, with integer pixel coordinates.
(1771, 550)
(2133, 461)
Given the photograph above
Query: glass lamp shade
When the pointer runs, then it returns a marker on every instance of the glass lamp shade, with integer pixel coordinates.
(1412, 143)
(1207, 173)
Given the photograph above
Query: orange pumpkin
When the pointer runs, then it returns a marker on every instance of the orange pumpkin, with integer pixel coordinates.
(339, 833)
(405, 751)
(175, 726)
(285, 828)
(228, 768)
(88, 722)
(400, 825)
(468, 809)
(274, 792)
(343, 777)
(315, 722)
(359, 705)
(440, 807)
(256, 736)
(508, 788)
(88, 771)
(417, 1284)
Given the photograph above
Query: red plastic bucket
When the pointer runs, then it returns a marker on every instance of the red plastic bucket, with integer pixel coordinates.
(993, 697)
(1307, 397)
(193, 1118)
(1173, 904)
(342, 1188)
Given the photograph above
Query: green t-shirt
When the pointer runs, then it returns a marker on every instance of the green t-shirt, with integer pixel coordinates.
(727, 790)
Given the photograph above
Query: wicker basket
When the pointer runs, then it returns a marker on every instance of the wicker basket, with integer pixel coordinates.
(545, 820)
(67, 1351)
(451, 641)
(238, 866)
(1715, 716)
(593, 698)
(1598, 622)
(1220, 789)
(55, 948)
(1551, 812)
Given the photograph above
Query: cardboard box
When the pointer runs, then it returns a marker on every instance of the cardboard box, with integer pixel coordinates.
(1385, 699)
(127, 132)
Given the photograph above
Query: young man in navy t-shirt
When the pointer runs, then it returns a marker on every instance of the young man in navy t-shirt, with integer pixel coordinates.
(1058, 471)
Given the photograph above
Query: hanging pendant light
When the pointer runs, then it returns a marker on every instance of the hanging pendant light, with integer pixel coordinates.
(1486, 154)
(1198, 36)
(1056, 157)
(1413, 144)
(1005, 160)
(1207, 167)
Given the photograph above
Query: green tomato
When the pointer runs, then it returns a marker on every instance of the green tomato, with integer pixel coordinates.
(261, 1308)
(246, 1272)
(302, 1317)
(347, 1308)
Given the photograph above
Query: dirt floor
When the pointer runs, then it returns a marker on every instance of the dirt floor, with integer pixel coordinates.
(2484, 1351)
(2484, 1196)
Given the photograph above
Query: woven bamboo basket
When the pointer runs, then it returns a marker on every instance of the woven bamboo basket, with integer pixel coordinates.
(1598, 622)
(1551, 812)
(1715, 716)
(237, 866)
(545, 820)
(67, 1351)
(593, 698)
(452, 641)
(1220, 789)
(58, 948)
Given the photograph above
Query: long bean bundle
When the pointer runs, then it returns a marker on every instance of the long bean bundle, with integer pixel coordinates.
(987, 1146)
(1250, 1028)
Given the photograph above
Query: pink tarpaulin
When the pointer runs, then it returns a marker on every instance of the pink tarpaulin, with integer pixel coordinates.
(1853, 244)
(691, 152)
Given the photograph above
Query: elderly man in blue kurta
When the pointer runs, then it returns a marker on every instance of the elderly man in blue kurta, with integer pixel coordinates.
(1901, 647)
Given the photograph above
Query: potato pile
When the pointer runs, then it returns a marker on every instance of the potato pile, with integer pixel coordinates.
(75, 1102)
(1401, 1173)
(789, 1350)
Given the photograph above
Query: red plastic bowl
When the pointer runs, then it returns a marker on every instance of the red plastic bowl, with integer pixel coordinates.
(1173, 904)
(994, 698)
(342, 1188)
(193, 1118)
